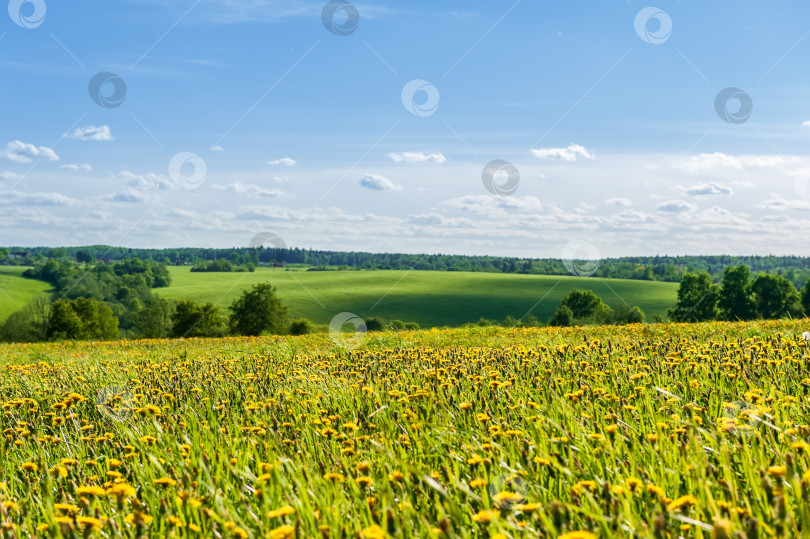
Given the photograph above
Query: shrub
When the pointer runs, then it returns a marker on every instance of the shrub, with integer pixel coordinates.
(374, 323)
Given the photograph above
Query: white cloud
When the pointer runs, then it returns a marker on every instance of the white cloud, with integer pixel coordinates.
(435, 219)
(284, 161)
(379, 183)
(217, 149)
(618, 202)
(778, 203)
(496, 206)
(268, 212)
(632, 217)
(248, 190)
(20, 152)
(806, 124)
(566, 154)
(417, 157)
(709, 161)
(706, 189)
(75, 168)
(676, 206)
(128, 196)
(8, 175)
(20, 198)
(90, 132)
(150, 180)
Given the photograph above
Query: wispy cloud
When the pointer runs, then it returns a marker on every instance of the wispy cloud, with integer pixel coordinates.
(150, 180)
(37, 199)
(284, 162)
(707, 189)
(618, 202)
(495, 206)
(709, 161)
(217, 149)
(249, 190)
(21, 152)
(101, 133)
(676, 206)
(417, 157)
(130, 196)
(379, 183)
(778, 203)
(86, 168)
(571, 153)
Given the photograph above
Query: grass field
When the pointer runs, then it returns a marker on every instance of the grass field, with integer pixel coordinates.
(16, 291)
(691, 431)
(428, 297)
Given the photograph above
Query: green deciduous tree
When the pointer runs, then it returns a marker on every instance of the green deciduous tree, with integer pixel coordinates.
(805, 298)
(697, 299)
(734, 297)
(193, 320)
(774, 296)
(628, 314)
(29, 324)
(563, 317)
(258, 311)
(81, 319)
(586, 308)
(154, 320)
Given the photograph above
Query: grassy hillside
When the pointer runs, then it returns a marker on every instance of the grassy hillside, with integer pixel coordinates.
(15, 291)
(429, 298)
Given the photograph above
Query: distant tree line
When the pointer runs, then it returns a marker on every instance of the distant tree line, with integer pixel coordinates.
(650, 268)
(221, 265)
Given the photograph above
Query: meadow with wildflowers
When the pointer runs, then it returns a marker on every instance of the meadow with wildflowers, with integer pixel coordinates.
(641, 431)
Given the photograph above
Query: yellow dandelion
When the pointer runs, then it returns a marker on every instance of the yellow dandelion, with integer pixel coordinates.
(90, 490)
(486, 516)
(165, 482)
(373, 532)
(281, 512)
(282, 532)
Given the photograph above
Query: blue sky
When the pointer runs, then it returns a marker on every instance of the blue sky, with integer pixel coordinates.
(304, 133)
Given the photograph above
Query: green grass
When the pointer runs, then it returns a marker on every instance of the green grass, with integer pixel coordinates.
(16, 291)
(430, 298)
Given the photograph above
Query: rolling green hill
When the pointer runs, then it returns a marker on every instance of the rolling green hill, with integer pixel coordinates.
(430, 298)
(16, 291)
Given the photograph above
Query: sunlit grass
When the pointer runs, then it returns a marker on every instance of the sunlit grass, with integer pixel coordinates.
(653, 431)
